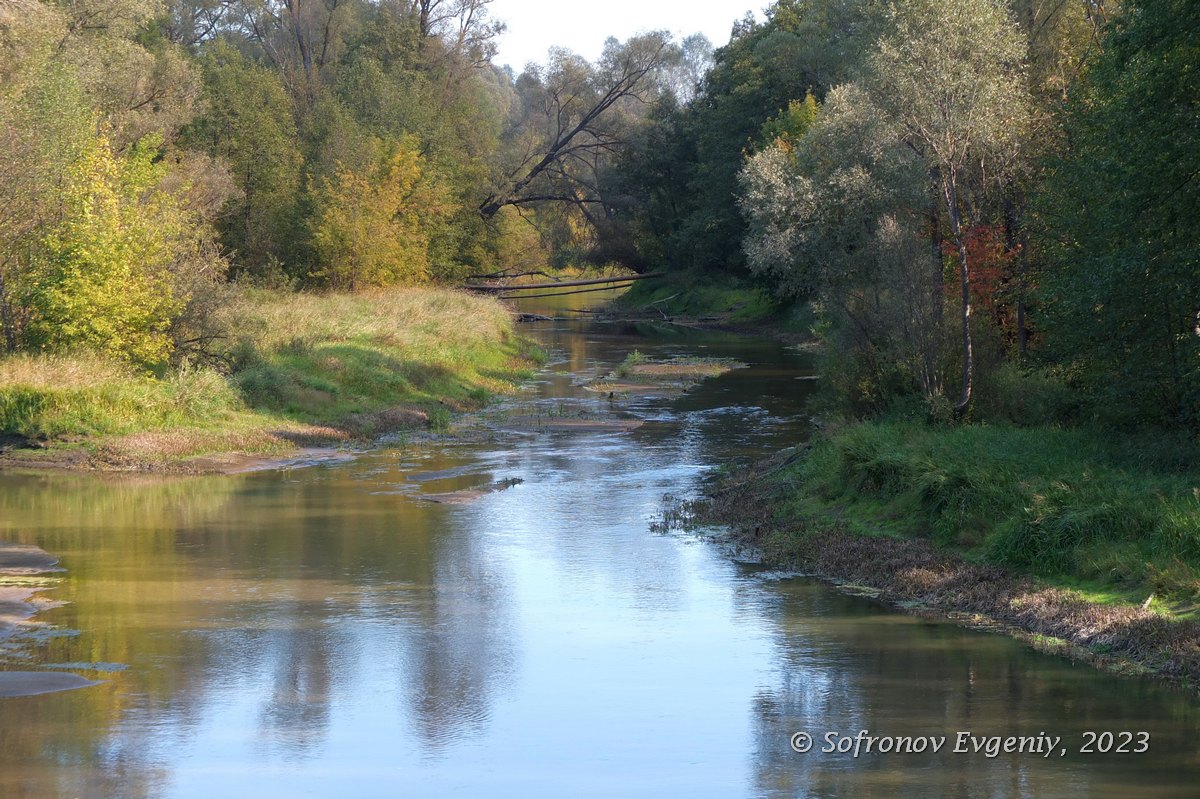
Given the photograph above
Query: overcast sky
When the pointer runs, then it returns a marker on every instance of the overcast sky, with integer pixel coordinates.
(534, 26)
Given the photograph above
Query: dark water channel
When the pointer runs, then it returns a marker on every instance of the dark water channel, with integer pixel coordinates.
(324, 632)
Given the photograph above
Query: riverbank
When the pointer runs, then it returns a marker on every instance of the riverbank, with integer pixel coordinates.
(722, 303)
(1077, 544)
(289, 372)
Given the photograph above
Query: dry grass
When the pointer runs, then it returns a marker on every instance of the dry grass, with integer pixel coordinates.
(420, 320)
(290, 370)
(60, 371)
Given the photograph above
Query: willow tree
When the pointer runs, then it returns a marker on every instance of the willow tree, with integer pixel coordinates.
(948, 76)
(836, 210)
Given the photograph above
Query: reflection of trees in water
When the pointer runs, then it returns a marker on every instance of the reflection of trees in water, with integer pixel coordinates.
(459, 649)
(244, 590)
(844, 665)
(117, 538)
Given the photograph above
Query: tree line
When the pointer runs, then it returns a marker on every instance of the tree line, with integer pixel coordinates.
(963, 189)
(153, 150)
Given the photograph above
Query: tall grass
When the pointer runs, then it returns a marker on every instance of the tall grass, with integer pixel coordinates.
(347, 361)
(322, 357)
(50, 397)
(1055, 502)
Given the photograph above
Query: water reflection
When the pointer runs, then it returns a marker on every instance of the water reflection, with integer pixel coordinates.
(326, 632)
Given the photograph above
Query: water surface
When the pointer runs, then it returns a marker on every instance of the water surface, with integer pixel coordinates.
(325, 632)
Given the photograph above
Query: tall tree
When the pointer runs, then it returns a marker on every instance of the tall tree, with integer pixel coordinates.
(572, 122)
(949, 74)
(249, 122)
(1119, 212)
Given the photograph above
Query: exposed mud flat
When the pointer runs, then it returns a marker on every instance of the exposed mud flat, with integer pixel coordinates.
(33, 683)
(26, 571)
(660, 377)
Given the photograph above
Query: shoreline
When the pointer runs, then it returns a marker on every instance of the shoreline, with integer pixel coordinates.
(300, 373)
(911, 575)
(25, 572)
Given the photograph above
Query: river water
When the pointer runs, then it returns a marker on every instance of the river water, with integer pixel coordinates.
(326, 632)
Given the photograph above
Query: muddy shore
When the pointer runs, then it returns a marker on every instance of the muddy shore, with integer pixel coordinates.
(912, 575)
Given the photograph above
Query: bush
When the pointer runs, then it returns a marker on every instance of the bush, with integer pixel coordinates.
(1015, 395)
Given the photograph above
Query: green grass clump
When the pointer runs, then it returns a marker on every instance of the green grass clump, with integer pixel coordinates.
(48, 397)
(1052, 502)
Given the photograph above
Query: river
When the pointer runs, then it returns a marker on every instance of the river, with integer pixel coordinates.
(325, 632)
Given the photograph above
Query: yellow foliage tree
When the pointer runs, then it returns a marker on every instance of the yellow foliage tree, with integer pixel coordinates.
(373, 226)
(103, 279)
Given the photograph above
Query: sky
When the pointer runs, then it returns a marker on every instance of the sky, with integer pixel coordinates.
(534, 26)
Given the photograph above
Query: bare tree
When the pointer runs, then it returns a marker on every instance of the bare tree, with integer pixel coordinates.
(297, 36)
(195, 21)
(580, 109)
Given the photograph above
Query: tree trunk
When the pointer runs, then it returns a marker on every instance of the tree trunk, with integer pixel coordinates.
(8, 319)
(950, 193)
(303, 44)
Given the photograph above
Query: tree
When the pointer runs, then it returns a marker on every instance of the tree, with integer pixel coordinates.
(46, 124)
(373, 228)
(571, 113)
(934, 119)
(692, 222)
(949, 76)
(1118, 215)
(103, 280)
(836, 212)
(249, 122)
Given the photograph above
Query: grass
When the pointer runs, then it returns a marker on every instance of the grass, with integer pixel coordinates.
(299, 369)
(1077, 543)
(1116, 517)
(723, 299)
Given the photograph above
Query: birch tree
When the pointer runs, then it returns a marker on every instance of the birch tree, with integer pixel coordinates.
(949, 76)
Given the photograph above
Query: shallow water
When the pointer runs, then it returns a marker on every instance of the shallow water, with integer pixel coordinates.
(324, 632)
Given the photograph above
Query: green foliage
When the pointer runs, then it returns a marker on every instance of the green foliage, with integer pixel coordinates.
(248, 121)
(790, 125)
(682, 171)
(373, 228)
(1026, 396)
(102, 281)
(73, 397)
(1054, 502)
(1122, 288)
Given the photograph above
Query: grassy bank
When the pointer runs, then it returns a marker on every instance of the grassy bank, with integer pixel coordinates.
(719, 300)
(1092, 541)
(289, 370)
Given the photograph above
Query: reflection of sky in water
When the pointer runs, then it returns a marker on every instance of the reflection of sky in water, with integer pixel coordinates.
(324, 632)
